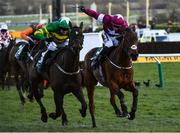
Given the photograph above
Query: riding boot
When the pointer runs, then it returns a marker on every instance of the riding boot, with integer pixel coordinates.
(101, 56)
(41, 62)
(22, 48)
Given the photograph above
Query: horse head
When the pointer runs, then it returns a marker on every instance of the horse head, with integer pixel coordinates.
(68, 58)
(76, 37)
(130, 42)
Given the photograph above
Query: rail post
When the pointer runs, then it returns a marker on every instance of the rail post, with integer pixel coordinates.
(161, 79)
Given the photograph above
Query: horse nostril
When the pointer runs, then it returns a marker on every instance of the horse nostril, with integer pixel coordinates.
(134, 56)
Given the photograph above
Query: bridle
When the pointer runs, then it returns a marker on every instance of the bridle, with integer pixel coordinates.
(75, 46)
(125, 49)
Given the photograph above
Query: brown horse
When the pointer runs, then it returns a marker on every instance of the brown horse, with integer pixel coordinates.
(4, 61)
(64, 77)
(115, 72)
(20, 71)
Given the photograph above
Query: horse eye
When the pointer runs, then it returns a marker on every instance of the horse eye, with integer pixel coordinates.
(133, 47)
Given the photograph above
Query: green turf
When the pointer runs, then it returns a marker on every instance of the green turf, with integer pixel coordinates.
(158, 108)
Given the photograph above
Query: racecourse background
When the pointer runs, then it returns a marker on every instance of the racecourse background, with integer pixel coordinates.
(158, 108)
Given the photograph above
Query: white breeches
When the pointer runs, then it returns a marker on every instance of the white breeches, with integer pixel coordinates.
(52, 46)
(109, 41)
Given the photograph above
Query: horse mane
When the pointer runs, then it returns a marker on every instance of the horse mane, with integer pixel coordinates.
(130, 36)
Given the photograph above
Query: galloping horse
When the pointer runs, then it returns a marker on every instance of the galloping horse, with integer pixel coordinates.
(20, 71)
(4, 62)
(64, 76)
(117, 73)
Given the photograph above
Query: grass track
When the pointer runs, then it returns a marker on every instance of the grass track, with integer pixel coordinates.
(158, 109)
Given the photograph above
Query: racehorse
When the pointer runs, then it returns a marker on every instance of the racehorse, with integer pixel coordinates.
(64, 76)
(4, 62)
(19, 69)
(115, 72)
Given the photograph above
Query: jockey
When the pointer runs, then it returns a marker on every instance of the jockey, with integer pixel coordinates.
(28, 35)
(5, 36)
(113, 29)
(55, 33)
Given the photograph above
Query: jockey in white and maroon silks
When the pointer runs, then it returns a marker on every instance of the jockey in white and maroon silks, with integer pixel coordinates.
(113, 26)
(5, 36)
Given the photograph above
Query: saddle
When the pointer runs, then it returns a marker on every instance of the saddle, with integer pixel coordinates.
(97, 67)
(51, 57)
(23, 56)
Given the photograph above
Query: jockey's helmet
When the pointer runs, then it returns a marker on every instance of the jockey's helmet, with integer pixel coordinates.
(4, 27)
(41, 24)
(43, 21)
(119, 22)
(64, 23)
(38, 26)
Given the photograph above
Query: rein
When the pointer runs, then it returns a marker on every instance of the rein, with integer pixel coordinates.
(65, 72)
(76, 40)
(119, 67)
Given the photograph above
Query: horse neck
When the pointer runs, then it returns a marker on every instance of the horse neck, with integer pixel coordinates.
(11, 44)
(120, 57)
(68, 60)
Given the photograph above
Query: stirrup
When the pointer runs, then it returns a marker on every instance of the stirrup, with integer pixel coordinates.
(18, 54)
(39, 69)
(95, 64)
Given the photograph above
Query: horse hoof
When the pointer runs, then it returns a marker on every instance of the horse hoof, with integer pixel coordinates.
(44, 118)
(53, 116)
(118, 114)
(23, 102)
(94, 126)
(131, 116)
(83, 113)
(64, 123)
(125, 115)
(30, 97)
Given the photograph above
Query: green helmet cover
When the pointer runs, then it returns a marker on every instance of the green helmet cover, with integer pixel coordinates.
(64, 22)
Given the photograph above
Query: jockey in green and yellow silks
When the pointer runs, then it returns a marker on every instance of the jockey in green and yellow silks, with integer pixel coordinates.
(58, 34)
(57, 31)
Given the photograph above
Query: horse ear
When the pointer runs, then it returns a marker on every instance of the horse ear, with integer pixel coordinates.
(81, 25)
(128, 29)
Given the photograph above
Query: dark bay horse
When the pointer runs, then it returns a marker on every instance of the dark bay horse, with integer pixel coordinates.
(64, 77)
(19, 69)
(117, 73)
(4, 61)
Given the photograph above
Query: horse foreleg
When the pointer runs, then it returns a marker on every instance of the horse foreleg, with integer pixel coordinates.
(2, 81)
(122, 103)
(79, 95)
(30, 95)
(19, 89)
(134, 103)
(64, 118)
(7, 80)
(37, 96)
(58, 99)
(113, 103)
(90, 91)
